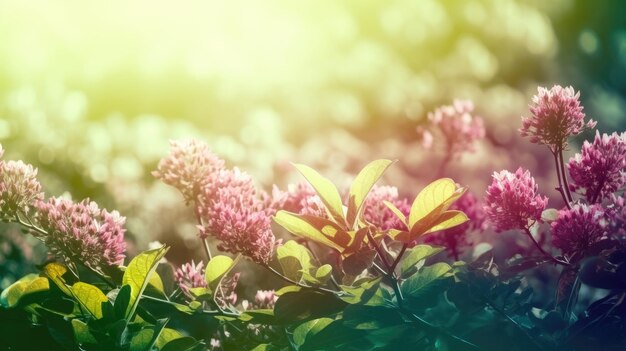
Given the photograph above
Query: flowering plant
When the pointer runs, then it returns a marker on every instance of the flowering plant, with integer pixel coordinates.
(355, 269)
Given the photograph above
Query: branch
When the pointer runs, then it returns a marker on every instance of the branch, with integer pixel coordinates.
(544, 252)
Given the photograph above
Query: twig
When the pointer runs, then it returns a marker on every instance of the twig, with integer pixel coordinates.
(304, 286)
(544, 252)
(558, 175)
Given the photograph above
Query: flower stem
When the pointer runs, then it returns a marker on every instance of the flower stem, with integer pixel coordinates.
(558, 175)
(564, 175)
(398, 258)
(544, 252)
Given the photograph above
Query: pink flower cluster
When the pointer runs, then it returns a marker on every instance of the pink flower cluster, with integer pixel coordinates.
(82, 231)
(189, 276)
(228, 205)
(556, 116)
(378, 214)
(458, 126)
(600, 168)
(19, 187)
(455, 239)
(188, 167)
(576, 229)
(264, 299)
(232, 210)
(512, 201)
(302, 199)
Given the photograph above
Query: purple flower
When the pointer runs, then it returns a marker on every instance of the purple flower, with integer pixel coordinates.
(578, 228)
(616, 215)
(19, 188)
(458, 126)
(556, 116)
(600, 168)
(188, 167)
(189, 276)
(82, 231)
(455, 239)
(302, 199)
(378, 214)
(512, 201)
(232, 210)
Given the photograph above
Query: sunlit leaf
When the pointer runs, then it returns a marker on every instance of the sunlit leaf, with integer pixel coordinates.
(294, 259)
(216, 269)
(90, 298)
(309, 329)
(396, 211)
(28, 284)
(323, 273)
(326, 190)
(82, 333)
(166, 336)
(414, 255)
(425, 280)
(433, 199)
(313, 228)
(362, 185)
(186, 343)
(145, 339)
(138, 273)
(447, 220)
(55, 272)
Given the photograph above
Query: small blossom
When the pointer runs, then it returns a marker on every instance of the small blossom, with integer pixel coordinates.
(264, 299)
(188, 167)
(378, 214)
(616, 215)
(600, 168)
(226, 295)
(189, 276)
(19, 188)
(556, 116)
(455, 239)
(215, 344)
(512, 201)
(576, 229)
(302, 199)
(82, 231)
(458, 126)
(233, 211)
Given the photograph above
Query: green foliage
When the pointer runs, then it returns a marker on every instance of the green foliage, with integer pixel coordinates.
(138, 273)
(27, 285)
(216, 269)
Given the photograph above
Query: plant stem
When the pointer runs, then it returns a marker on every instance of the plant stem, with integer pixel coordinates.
(379, 251)
(304, 286)
(558, 175)
(544, 252)
(398, 258)
(564, 175)
(209, 312)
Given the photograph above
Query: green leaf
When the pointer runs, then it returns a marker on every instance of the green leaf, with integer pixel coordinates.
(145, 339)
(396, 211)
(305, 304)
(166, 336)
(425, 281)
(326, 190)
(294, 259)
(549, 214)
(216, 269)
(186, 343)
(447, 220)
(28, 284)
(323, 273)
(430, 198)
(317, 229)
(309, 329)
(55, 272)
(82, 333)
(361, 293)
(414, 255)
(138, 273)
(362, 185)
(122, 300)
(371, 317)
(90, 298)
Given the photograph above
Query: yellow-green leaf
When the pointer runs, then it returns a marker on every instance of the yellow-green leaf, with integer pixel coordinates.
(448, 220)
(295, 259)
(90, 298)
(395, 211)
(326, 190)
(414, 255)
(216, 269)
(55, 271)
(138, 273)
(362, 185)
(321, 231)
(82, 333)
(433, 198)
(323, 273)
(29, 284)
(166, 336)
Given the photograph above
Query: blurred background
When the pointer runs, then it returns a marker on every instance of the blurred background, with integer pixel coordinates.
(91, 92)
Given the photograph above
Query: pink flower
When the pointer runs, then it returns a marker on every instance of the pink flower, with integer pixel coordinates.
(302, 199)
(576, 229)
(19, 188)
(458, 126)
(233, 211)
(616, 214)
(82, 231)
(378, 214)
(600, 168)
(455, 239)
(512, 201)
(188, 167)
(556, 116)
(265, 299)
(189, 276)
